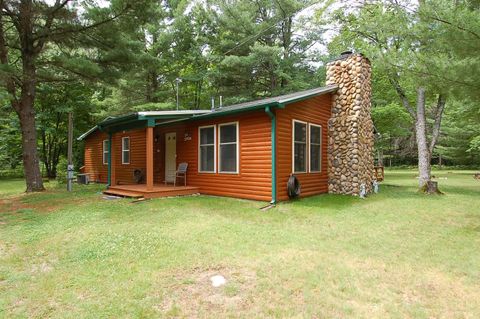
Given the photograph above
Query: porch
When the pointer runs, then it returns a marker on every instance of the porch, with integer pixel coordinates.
(139, 154)
(155, 191)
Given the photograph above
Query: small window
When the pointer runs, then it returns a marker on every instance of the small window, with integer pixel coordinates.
(299, 147)
(105, 152)
(207, 149)
(125, 150)
(228, 148)
(315, 148)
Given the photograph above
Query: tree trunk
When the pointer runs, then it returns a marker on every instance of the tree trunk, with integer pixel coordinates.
(380, 157)
(26, 114)
(424, 169)
(31, 165)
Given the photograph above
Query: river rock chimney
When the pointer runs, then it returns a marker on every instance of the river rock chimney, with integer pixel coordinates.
(350, 128)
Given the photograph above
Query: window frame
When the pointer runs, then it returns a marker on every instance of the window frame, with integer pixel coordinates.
(237, 148)
(310, 148)
(126, 150)
(214, 149)
(105, 151)
(307, 159)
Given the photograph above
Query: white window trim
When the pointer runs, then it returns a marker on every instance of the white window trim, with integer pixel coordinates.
(214, 149)
(310, 149)
(237, 148)
(124, 150)
(306, 147)
(104, 150)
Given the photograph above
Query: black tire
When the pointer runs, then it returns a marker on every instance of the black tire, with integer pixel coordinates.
(293, 187)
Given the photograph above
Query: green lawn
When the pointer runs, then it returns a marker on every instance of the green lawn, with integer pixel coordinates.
(396, 254)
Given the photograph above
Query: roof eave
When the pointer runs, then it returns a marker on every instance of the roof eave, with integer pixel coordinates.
(87, 133)
(117, 120)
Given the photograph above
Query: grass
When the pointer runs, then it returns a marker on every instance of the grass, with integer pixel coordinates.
(396, 254)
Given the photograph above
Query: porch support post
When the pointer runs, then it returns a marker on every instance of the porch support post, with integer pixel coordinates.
(109, 160)
(150, 126)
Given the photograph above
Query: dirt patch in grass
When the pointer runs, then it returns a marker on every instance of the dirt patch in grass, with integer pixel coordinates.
(192, 295)
(15, 206)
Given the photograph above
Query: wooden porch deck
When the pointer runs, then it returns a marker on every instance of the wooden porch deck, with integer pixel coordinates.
(158, 190)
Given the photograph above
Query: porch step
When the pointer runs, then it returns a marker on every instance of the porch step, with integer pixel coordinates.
(140, 191)
(122, 193)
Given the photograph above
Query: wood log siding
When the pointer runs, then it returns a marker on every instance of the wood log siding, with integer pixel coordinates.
(138, 148)
(93, 160)
(316, 110)
(93, 157)
(254, 178)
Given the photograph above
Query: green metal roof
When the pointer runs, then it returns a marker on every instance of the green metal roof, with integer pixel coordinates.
(280, 100)
(139, 119)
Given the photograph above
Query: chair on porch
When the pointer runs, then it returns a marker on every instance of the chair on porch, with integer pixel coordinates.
(181, 173)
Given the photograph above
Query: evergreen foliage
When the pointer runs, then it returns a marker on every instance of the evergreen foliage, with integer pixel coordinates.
(107, 58)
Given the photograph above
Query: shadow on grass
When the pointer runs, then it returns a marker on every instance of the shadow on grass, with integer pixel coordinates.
(327, 201)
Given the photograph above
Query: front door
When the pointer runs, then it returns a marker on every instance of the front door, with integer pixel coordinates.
(170, 156)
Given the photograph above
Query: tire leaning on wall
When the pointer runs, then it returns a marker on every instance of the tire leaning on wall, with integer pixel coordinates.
(293, 187)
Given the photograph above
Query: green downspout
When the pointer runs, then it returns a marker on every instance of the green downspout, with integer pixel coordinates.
(274, 154)
(109, 178)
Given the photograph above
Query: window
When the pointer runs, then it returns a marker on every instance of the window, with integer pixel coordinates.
(207, 149)
(228, 148)
(105, 152)
(125, 150)
(299, 147)
(315, 140)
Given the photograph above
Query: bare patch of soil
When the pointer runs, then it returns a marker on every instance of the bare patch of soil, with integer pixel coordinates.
(14, 206)
(194, 296)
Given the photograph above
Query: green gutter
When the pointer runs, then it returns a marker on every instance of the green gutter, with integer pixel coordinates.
(109, 178)
(274, 154)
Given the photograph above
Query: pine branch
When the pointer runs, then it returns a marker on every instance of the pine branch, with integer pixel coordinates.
(66, 31)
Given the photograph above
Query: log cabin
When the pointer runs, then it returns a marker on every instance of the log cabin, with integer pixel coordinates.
(321, 138)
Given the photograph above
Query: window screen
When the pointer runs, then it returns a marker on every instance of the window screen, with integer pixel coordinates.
(315, 148)
(228, 148)
(126, 150)
(105, 152)
(207, 149)
(299, 147)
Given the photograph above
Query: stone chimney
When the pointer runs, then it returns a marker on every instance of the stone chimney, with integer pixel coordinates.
(350, 129)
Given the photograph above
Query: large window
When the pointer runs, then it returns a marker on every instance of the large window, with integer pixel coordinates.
(207, 149)
(105, 152)
(315, 140)
(125, 150)
(228, 148)
(299, 147)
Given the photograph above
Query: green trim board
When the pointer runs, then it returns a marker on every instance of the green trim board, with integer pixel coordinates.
(273, 135)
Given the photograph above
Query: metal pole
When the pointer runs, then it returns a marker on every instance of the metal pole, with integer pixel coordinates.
(177, 80)
(70, 152)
